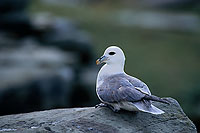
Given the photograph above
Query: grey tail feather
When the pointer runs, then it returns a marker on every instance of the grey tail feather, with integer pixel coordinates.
(155, 98)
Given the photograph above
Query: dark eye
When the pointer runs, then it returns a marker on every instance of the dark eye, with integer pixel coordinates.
(111, 53)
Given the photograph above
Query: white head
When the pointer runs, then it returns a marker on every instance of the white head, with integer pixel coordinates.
(114, 59)
(113, 55)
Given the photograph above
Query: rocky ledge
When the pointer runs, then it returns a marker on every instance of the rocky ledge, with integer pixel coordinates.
(100, 120)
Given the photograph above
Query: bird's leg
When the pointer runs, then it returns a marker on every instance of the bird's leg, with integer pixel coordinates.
(113, 108)
(108, 106)
(101, 105)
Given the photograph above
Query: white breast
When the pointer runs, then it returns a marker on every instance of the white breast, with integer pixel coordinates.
(106, 71)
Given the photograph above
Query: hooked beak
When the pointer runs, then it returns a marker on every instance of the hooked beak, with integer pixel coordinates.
(101, 60)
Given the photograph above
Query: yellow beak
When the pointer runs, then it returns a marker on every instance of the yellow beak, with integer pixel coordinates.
(101, 60)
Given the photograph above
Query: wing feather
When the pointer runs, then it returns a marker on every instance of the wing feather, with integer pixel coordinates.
(117, 89)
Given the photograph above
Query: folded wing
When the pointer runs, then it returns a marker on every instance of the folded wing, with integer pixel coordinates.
(117, 89)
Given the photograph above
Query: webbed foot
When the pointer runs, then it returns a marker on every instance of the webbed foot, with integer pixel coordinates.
(101, 105)
(108, 106)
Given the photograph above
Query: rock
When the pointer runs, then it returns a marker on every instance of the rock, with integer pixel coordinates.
(100, 120)
(43, 60)
(34, 77)
(158, 20)
(64, 34)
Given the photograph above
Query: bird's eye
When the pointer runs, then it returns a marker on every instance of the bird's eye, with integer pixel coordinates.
(111, 53)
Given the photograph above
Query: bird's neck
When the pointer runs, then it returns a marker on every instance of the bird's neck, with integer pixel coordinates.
(111, 69)
(108, 70)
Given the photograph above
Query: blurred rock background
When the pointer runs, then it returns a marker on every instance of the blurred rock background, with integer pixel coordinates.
(48, 50)
(45, 61)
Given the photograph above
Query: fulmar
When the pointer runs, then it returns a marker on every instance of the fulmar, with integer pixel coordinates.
(118, 90)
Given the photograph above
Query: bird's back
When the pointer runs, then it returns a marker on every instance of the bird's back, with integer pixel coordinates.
(132, 80)
(138, 83)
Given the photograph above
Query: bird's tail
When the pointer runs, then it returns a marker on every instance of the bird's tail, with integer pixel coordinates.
(149, 109)
(156, 98)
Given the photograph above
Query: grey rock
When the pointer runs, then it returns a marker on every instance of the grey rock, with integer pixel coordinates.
(31, 62)
(164, 21)
(35, 77)
(42, 61)
(64, 34)
(100, 120)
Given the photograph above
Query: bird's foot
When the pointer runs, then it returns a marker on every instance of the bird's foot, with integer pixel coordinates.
(108, 106)
(101, 105)
(114, 110)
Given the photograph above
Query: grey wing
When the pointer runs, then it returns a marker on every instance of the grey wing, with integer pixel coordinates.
(138, 84)
(118, 89)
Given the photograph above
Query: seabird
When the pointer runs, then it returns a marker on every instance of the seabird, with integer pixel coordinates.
(118, 90)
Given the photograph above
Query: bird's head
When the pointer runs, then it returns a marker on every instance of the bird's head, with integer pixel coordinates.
(112, 55)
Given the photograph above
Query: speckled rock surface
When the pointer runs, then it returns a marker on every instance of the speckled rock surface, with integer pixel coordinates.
(100, 120)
